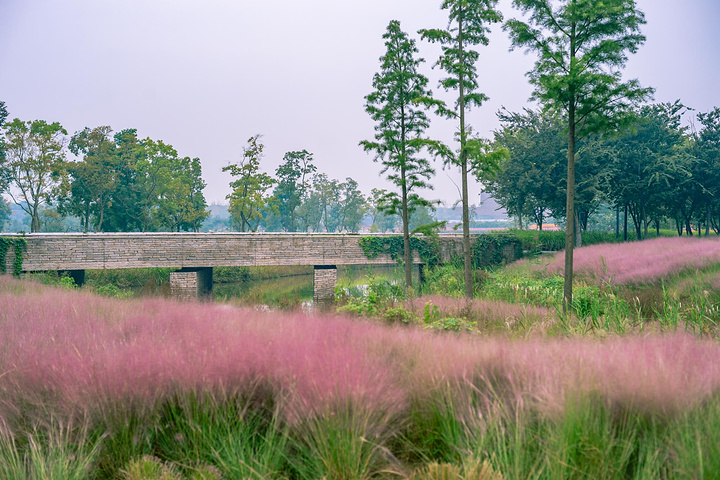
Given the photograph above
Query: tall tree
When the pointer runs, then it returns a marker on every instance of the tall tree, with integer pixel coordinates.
(649, 169)
(398, 106)
(181, 203)
(4, 171)
(707, 148)
(90, 182)
(321, 208)
(249, 189)
(293, 177)
(581, 47)
(467, 28)
(124, 213)
(527, 184)
(5, 212)
(35, 153)
(381, 221)
(352, 206)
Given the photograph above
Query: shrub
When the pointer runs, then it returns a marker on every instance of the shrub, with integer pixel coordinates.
(149, 468)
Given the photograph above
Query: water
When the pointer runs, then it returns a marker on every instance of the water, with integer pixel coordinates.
(289, 292)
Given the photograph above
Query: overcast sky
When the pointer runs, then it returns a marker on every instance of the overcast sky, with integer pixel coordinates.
(206, 75)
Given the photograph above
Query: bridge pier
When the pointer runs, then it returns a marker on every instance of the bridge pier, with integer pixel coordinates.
(324, 281)
(191, 283)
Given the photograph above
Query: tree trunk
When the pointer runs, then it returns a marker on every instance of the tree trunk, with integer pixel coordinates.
(570, 211)
(464, 172)
(707, 221)
(101, 218)
(35, 219)
(86, 219)
(578, 231)
(617, 221)
(405, 211)
(406, 233)
(625, 223)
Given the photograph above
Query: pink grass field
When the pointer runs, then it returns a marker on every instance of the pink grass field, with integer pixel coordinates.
(67, 353)
(648, 261)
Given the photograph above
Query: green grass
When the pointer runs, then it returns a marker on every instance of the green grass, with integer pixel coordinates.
(554, 241)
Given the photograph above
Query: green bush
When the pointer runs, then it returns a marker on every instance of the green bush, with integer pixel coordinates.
(496, 249)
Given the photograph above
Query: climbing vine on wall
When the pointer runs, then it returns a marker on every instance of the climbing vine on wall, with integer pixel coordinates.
(19, 245)
(496, 249)
(428, 248)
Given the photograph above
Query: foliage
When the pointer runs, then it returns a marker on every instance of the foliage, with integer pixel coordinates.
(581, 46)
(379, 298)
(5, 212)
(293, 176)
(535, 241)
(249, 189)
(88, 187)
(50, 452)
(428, 248)
(321, 210)
(148, 468)
(649, 169)
(531, 183)
(182, 205)
(488, 250)
(381, 221)
(4, 171)
(468, 20)
(35, 158)
(19, 245)
(398, 107)
(122, 183)
(495, 249)
(707, 150)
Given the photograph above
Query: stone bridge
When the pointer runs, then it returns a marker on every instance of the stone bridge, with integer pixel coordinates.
(195, 254)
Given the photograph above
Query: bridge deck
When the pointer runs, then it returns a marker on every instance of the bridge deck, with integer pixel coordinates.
(96, 251)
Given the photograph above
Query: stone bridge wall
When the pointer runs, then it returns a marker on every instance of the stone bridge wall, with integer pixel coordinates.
(196, 253)
(188, 250)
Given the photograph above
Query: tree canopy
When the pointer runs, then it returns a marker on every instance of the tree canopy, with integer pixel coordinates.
(582, 46)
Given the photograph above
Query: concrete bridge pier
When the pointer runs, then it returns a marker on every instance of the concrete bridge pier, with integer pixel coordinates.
(191, 283)
(324, 281)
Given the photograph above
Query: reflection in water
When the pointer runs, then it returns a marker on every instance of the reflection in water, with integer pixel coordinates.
(292, 291)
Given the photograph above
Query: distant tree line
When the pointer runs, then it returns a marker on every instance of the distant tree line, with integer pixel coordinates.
(655, 170)
(97, 180)
(116, 182)
(298, 198)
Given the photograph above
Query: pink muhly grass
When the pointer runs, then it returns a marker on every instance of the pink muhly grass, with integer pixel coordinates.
(64, 351)
(74, 350)
(642, 262)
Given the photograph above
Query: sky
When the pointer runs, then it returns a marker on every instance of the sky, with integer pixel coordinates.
(204, 76)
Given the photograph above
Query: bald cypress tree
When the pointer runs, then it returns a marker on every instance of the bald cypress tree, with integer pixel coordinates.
(398, 105)
(581, 46)
(467, 28)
